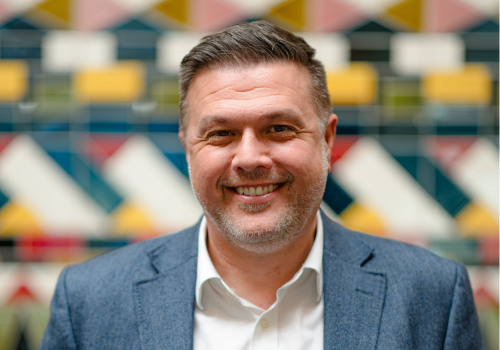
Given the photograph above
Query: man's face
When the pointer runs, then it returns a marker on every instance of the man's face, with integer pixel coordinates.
(257, 158)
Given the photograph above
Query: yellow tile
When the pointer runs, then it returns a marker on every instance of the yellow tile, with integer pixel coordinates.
(290, 13)
(471, 85)
(356, 85)
(123, 82)
(359, 218)
(14, 80)
(408, 13)
(17, 220)
(129, 219)
(176, 9)
(475, 221)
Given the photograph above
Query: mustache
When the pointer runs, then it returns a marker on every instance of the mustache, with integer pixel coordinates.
(257, 175)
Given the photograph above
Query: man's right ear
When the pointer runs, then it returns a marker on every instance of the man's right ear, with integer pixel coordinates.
(181, 137)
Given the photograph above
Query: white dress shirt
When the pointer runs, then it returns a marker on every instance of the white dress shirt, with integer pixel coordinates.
(223, 320)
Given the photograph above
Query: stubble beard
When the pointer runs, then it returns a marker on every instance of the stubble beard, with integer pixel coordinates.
(288, 223)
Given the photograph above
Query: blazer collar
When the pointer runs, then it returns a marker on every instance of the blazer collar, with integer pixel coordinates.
(164, 304)
(353, 295)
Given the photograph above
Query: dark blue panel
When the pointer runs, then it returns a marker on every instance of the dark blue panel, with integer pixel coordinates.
(167, 142)
(481, 55)
(88, 178)
(3, 199)
(335, 196)
(19, 24)
(179, 160)
(125, 53)
(435, 182)
(163, 127)
(370, 55)
(487, 26)
(21, 44)
(6, 127)
(134, 24)
(112, 244)
(372, 26)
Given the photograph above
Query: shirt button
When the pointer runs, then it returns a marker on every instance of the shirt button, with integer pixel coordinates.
(264, 323)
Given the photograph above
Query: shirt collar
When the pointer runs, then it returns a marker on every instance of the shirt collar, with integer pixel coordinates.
(206, 269)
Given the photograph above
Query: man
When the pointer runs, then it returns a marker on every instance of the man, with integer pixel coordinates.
(264, 269)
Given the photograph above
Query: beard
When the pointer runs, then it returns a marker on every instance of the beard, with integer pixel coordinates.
(301, 205)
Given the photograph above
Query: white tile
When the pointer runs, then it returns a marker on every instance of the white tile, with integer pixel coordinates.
(68, 51)
(172, 47)
(143, 175)
(486, 7)
(416, 54)
(30, 177)
(476, 173)
(136, 6)
(375, 179)
(373, 7)
(255, 8)
(333, 50)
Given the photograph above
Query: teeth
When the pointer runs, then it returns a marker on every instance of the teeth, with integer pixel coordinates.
(252, 191)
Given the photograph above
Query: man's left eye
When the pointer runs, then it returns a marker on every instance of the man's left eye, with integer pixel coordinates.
(280, 128)
(221, 133)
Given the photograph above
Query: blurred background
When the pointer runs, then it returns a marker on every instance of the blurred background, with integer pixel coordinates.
(90, 160)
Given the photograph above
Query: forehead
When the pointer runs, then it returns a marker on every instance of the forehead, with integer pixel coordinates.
(252, 89)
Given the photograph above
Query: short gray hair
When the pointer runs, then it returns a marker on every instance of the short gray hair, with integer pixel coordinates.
(249, 44)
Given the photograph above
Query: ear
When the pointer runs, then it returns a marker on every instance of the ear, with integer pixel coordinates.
(182, 137)
(330, 132)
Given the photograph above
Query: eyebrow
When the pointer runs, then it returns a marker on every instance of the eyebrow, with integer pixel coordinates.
(288, 114)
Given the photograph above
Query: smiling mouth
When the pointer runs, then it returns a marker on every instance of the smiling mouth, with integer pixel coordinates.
(256, 191)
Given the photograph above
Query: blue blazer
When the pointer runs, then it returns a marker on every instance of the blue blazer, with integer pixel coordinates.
(378, 294)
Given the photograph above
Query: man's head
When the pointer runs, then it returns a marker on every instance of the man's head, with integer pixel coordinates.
(257, 146)
(249, 44)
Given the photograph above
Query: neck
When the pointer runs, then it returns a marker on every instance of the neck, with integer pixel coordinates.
(256, 277)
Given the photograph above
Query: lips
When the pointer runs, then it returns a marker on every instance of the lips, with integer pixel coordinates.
(256, 191)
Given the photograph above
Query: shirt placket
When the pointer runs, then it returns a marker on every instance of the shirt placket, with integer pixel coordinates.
(265, 335)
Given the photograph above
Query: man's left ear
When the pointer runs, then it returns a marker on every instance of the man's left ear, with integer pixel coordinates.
(330, 132)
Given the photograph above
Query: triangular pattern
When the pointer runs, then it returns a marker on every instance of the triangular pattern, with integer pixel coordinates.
(5, 140)
(332, 15)
(486, 7)
(359, 218)
(476, 221)
(22, 295)
(16, 219)
(373, 8)
(291, 13)
(97, 14)
(372, 26)
(177, 10)
(52, 14)
(342, 145)
(408, 13)
(100, 148)
(4, 13)
(446, 150)
(448, 16)
(212, 15)
(129, 219)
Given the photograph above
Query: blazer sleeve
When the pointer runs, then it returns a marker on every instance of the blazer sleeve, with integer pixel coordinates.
(59, 332)
(463, 326)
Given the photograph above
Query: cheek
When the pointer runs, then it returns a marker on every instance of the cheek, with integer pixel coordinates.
(208, 165)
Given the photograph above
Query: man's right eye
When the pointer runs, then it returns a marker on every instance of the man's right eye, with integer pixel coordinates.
(221, 133)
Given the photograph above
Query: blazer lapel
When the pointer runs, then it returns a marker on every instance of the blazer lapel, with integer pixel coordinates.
(164, 305)
(353, 296)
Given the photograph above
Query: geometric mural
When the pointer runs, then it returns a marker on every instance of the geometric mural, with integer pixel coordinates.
(90, 159)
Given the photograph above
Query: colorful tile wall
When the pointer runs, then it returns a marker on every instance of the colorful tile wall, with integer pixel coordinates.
(89, 155)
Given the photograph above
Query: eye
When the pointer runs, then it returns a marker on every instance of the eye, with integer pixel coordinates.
(280, 128)
(220, 133)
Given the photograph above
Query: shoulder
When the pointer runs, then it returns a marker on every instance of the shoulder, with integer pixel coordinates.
(400, 262)
(135, 261)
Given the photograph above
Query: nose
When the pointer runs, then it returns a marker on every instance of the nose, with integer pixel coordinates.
(251, 153)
